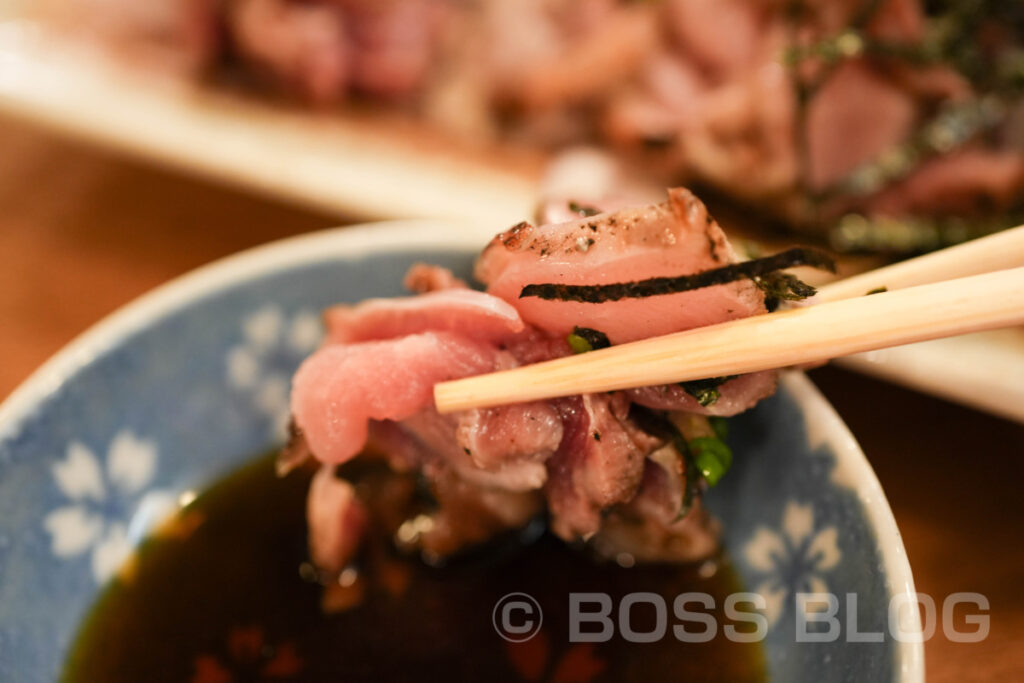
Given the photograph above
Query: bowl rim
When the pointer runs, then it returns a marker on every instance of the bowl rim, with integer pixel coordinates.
(440, 235)
(854, 471)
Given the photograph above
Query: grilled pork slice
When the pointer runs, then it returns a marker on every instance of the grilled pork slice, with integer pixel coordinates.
(326, 49)
(669, 239)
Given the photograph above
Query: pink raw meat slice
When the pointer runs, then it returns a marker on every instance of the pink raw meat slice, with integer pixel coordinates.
(663, 240)
(470, 313)
(337, 520)
(856, 116)
(340, 387)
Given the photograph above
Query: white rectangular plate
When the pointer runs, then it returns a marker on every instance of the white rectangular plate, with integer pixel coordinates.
(361, 167)
(357, 166)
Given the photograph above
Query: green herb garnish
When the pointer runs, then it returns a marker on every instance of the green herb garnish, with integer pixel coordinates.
(911, 235)
(578, 344)
(705, 390)
(877, 290)
(959, 35)
(712, 457)
(583, 339)
(779, 287)
(704, 458)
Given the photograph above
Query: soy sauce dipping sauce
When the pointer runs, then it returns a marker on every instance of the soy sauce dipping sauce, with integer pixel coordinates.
(218, 596)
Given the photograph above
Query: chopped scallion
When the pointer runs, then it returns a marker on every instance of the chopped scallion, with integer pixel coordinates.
(712, 457)
(578, 344)
(583, 339)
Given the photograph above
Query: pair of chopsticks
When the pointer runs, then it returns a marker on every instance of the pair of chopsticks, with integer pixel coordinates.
(968, 288)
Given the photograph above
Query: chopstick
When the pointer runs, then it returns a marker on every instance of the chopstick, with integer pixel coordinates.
(800, 335)
(999, 251)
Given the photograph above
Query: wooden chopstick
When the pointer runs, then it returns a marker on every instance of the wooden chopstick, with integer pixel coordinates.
(802, 335)
(998, 251)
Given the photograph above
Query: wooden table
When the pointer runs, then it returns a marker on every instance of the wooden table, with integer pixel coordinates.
(83, 231)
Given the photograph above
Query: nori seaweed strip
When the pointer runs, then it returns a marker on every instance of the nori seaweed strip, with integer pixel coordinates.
(779, 287)
(756, 268)
(583, 209)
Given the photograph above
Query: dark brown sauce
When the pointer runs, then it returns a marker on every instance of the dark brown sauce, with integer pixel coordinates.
(218, 596)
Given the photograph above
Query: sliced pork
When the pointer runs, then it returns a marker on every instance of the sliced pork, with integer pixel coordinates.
(337, 520)
(804, 110)
(628, 245)
(327, 49)
(493, 437)
(732, 397)
(342, 386)
(303, 46)
(465, 311)
(599, 464)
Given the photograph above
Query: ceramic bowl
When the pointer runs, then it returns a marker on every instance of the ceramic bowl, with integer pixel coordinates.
(185, 384)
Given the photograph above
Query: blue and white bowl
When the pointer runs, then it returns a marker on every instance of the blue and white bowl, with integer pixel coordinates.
(183, 385)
